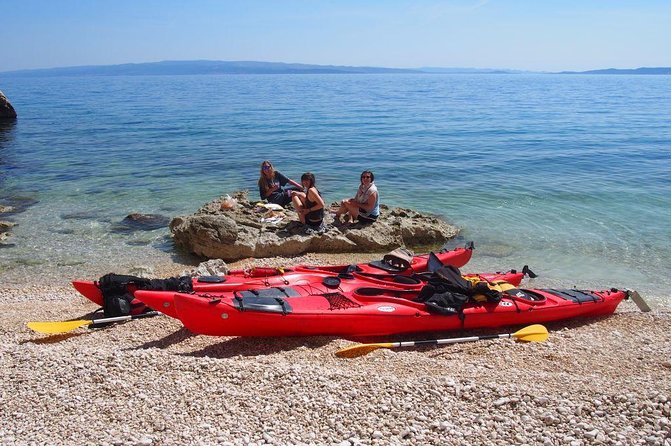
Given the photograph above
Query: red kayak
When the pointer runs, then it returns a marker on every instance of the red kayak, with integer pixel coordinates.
(319, 283)
(369, 311)
(268, 277)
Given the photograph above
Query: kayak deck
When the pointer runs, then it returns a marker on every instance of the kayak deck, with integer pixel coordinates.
(361, 314)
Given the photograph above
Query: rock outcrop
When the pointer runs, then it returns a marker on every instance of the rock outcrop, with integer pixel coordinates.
(217, 231)
(6, 109)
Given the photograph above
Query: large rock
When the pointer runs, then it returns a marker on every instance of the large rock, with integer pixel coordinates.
(244, 231)
(6, 109)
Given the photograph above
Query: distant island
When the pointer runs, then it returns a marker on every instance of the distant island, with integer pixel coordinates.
(644, 70)
(195, 67)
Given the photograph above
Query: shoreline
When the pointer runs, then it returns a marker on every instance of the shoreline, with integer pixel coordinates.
(151, 382)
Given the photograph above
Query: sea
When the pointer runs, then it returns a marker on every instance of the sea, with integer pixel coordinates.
(569, 174)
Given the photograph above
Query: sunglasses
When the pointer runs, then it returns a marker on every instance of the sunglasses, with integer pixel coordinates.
(266, 168)
(366, 176)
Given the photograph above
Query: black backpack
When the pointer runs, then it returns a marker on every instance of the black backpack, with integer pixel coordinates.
(117, 298)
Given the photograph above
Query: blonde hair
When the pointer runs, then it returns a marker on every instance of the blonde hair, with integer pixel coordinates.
(263, 179)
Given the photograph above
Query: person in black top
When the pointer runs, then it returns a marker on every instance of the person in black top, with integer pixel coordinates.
(309, 205)
(272, 183)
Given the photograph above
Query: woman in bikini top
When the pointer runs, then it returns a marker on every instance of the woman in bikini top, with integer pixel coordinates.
(309, 205)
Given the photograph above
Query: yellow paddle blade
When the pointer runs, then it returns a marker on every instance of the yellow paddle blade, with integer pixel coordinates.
(57, 327)
(354, 351)
(532, 333)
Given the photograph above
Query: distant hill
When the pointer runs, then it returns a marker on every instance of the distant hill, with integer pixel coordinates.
(201, 67)
(177, 67)
(226, 67)
(643, 70)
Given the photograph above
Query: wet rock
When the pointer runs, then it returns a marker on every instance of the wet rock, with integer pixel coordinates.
(251, 231)
(6, 109)
(15, 204)
(83, 215)
(5, 227)
(141, 222)
(138, 242)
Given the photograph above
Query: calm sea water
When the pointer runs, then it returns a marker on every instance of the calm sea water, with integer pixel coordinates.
(569, 174)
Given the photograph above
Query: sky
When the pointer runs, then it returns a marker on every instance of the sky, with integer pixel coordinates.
(535, 35)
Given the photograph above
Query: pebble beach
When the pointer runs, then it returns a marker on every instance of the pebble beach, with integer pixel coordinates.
(152, 382)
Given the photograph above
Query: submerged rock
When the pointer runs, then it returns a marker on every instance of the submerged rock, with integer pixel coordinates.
(5, 227)
(141, 222)
(82, 215)
(247, 230)
(16, 204)
(6, 109)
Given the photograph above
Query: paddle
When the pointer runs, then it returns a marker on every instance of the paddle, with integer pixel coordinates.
(531, 333)
(66, 326)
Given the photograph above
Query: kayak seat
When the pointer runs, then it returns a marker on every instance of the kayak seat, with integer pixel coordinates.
(269, 300)
(524, 296)
(388, 267)
(263, 304)
(268, 292)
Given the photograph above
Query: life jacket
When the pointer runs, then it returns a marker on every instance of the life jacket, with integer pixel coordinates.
(447, 291)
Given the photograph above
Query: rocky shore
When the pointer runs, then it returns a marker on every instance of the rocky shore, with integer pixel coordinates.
(233, 228)
(151, 382)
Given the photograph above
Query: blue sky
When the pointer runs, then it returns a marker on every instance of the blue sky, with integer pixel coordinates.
(539, 35)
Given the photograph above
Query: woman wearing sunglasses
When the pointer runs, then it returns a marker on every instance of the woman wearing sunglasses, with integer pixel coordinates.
(365, 206)
(272, 183)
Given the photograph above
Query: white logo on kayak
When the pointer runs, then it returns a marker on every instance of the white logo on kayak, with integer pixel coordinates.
(506, 304)
(386, 309)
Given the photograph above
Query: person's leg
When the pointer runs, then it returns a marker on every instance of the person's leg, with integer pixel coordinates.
(342, 210)
(353, 211)
(298, 200)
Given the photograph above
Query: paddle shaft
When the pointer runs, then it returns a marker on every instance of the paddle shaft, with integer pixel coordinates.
(452, 340)
(124, 318)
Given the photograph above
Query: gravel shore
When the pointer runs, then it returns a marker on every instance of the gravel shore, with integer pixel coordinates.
(151, 382)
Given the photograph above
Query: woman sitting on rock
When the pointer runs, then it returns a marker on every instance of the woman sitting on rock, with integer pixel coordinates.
(365, 206)
(271, 185)
(309, 205)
